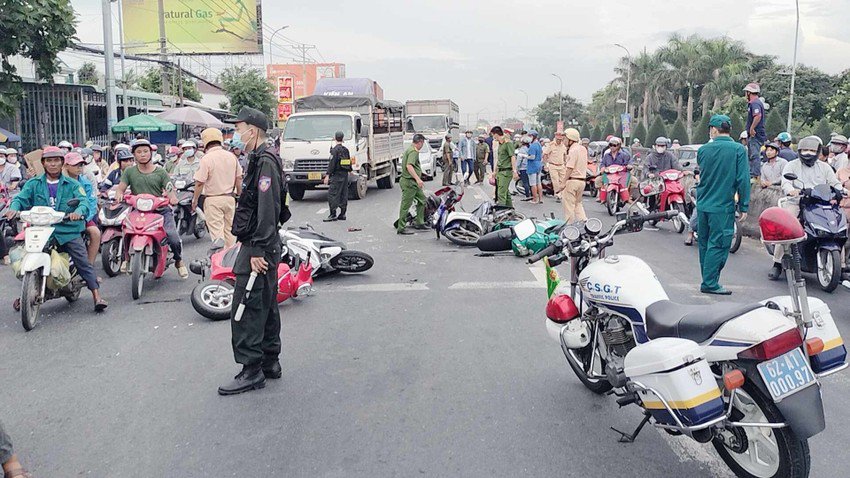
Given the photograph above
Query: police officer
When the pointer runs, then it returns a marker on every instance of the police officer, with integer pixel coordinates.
(256, 337)
(724, 171)
(337, 177)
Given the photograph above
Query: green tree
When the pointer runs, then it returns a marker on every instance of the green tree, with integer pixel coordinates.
(656, 129)
(700, 135)
(585, 130)
(737, 125)
(774, 124)
(678, 132)
(87, 74)
(151, 81)
(248, 88)
(546, 113)
(640, 133)
(838, 105)
(846, 130)
(37, 31)
(597, 133)
(608, 130)
(823, 130)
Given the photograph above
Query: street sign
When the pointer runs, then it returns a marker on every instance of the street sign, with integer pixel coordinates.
(559, 127)
(626, 121)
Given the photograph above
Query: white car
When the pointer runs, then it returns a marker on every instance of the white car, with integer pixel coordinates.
(427, 160)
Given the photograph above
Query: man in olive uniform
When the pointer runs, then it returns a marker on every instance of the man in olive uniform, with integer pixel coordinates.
(411, 187)
(448, 162)
(482, 152)
(338, 169)
(505, 166)
(724, 171)
(256, 336)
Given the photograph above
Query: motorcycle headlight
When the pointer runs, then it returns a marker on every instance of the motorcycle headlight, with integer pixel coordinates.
(144, 205)
(179, 184)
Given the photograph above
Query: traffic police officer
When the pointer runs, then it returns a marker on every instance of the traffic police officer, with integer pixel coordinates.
(411, 187)
(256, 337)
(337, 177)
(724, 170)
(506, 168)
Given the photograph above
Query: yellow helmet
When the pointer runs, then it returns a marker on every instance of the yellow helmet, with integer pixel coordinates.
(572, 134)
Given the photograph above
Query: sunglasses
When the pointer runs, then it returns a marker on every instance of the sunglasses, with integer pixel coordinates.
(612, 145)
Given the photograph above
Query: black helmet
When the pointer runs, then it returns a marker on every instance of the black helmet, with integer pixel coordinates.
(123, 155)
(809, 149)
(773, 145)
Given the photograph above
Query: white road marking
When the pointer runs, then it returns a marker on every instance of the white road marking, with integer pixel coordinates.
(497, 285)
(389, 287)
(322, 210)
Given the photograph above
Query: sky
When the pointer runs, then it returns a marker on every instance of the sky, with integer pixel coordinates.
(484, 54)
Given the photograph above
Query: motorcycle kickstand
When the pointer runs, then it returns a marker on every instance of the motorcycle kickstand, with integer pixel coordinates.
(630, 438)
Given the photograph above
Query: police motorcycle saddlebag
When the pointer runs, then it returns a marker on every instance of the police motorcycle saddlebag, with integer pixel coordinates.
(834, 353)
(677, 370)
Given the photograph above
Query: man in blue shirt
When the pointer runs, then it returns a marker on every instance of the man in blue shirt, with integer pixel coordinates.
(785, 151)
(614, 156)
(755, 127)
(535, 166)
(74, 164)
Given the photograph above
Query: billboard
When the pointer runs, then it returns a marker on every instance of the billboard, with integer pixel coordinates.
(285, 97)
(311, 72)
(193, 26)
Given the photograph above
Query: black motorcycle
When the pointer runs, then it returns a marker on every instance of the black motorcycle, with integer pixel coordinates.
(826, 233)
(187, 222)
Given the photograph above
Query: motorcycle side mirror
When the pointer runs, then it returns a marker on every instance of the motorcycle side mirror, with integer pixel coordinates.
(73, 202)
(790, 176)
(524, 229)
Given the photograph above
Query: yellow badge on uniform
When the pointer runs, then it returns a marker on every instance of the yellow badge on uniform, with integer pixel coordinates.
(82, 191)
(344, 162)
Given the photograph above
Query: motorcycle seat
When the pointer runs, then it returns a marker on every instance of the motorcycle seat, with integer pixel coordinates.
(693, 322)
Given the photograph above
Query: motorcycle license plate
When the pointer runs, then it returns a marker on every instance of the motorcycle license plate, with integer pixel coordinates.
(786, 374)
(314, 176)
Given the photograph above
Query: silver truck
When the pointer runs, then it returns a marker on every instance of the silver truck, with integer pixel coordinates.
(434, 119)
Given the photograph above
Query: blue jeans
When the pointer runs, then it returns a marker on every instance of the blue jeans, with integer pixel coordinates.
(467, 167)
(754, 151)
(523, 176)
(174, 241)
(76, 248)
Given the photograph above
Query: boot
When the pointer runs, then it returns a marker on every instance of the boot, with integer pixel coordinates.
(250, 378)
(331, 218)
(341, 216)
(272, 368)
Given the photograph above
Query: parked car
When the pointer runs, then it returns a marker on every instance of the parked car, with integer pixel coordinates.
(688, 156)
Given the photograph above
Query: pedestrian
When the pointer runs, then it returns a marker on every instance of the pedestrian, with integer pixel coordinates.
(576, 173)
(467, 156)
(494, 146)
(10, 174)
(74, 167)
(771, 170)
(554, 161)
(219, 180)
(506, 166)
(522, 166)
(742, 138)
(723, 172)
(482, 154)
(256, 335)
(756, 135)
(535, 165)
(838, 148)
(339, 167)
(447, 151)
(188, 163)
(786, 152)
(12, 468)
(411, 188)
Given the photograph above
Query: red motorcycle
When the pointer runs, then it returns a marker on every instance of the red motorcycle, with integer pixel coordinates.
(664, 192)
(145, 240)
(111, 216)
(213, 298)
(615, 194)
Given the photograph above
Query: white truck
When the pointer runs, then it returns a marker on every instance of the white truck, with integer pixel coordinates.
(372, 130)
(434, 119)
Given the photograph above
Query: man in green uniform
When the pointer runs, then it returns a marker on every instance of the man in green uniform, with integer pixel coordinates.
(411, 187)
(447, 151)
(724, 170)
(505, 166)
(482, 152)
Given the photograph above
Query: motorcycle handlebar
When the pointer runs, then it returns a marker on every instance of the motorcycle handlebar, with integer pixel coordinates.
(656, 216)
(546, 251)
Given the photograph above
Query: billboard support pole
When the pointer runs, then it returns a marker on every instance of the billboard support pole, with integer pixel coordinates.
(179, 82)
(109, 73)
(163, 50)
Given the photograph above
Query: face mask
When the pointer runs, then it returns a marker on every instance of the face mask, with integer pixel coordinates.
(661, 149)
(2, 161)
(808, 157)
(12, 159)
(837, 148)
(188, 153)
(237, 137)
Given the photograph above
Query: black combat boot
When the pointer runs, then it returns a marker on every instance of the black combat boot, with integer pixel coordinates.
(341, 216)
(250, 378)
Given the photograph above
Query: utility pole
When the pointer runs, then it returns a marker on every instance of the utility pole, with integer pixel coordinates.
(125, 101)
(628, 78)
(163, 52)
(793, 72)
(560, 101)
(180, 81)
(304, 48)
(109, 73)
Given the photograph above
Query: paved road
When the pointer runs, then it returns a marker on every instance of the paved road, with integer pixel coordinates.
(436, 362)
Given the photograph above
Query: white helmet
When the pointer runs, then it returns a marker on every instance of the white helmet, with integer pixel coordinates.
(121, 146)
(11, 151)
(65, 144)
(744, 135)
(189, 144)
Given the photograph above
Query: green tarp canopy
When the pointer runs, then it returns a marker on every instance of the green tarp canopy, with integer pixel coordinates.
(142, 123)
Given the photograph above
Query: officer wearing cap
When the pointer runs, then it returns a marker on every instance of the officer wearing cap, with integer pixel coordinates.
(337, 178)
(256, 337)
(219, 180)
(724, 171)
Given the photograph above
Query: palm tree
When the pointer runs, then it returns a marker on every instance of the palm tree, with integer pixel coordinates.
(686, 61)
(728, 67)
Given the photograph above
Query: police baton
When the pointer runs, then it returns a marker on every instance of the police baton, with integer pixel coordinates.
(248, 287)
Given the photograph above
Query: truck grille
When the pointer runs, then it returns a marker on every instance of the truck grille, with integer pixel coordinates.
(306, 165)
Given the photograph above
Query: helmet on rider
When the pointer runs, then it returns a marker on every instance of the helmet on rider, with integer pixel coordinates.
(771, 150)
(572, 134)
(661, 144)
(809, 149)
(838, 144)
(140, 142)
(784, 138)
(52, 152)
(753, 88)
(67, 145)
(123, 155)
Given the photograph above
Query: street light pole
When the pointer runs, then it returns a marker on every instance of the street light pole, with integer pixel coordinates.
(793, 70)
(271, 43)
(560, 101)
(505, 117)
(108, 70)
(628, 75)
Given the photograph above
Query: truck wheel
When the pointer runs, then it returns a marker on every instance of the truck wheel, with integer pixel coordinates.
(389, 181)
(296, 192)
(357, 189)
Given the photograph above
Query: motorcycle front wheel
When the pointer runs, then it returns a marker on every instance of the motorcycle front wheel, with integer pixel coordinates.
(580, 361)
(110, 257)
(678, 224)
(352, 261)
(829, 269)
(31, 299)
(736, 239)
(768, 452)
(200, 229)
(213, 299)
(612, 202)
(466, 234)
(137, 275)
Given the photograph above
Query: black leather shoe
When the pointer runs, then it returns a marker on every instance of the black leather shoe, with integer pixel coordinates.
(341, 217)
(421, 227)
(330, 219)
(272, 369)
(250, 378)
(405, 232)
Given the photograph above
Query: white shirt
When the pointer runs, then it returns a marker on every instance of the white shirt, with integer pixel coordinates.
(820, 173)
(840, 161)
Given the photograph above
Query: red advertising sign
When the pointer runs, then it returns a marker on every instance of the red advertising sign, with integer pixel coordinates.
(284, 89)
(284, 110)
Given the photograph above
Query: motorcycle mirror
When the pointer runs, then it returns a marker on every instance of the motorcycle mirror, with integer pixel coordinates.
(524, 229)
(73, 202)
(790, 176)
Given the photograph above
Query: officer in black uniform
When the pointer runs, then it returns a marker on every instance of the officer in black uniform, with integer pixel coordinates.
(337, 177)
(256, 337)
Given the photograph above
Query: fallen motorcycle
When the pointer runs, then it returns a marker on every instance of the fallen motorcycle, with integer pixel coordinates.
(213, 296)
(523, 238)
(465, 228)
(744, 377)
(325, 255)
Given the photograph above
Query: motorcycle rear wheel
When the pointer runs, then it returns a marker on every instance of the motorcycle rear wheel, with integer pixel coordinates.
(770, 453)
(466, 234)
(137, 275)
(200, 230)
(30, 300)
(352, 261)
(110, 258)
(212, 299)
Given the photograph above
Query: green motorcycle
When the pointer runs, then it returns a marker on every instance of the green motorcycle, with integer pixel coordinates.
(522, 237)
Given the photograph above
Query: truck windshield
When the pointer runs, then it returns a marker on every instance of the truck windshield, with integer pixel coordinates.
(426, 124)
(316, 127)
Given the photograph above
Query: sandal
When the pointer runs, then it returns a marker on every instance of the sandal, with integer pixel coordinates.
(17, 473)
(101, 305)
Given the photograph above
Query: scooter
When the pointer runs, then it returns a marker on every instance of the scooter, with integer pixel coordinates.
(663, 192)
(505, 238)
(145, 243)
(8, 229)
(187, 222)
(745, 377)
(38, 283)
(111, 217)
(590, 178)
(615, 194)
(465, 228)
(448, 200)
(213, 297)
(825, 225)
(325, 255)
(690, 212)
(432, 202)
(545, 185)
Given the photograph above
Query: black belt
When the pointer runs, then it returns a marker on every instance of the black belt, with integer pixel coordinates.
(508, 169)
